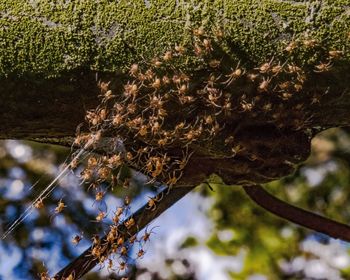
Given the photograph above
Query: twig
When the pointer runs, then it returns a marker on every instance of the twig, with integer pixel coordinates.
(143, 216)
(297, 215)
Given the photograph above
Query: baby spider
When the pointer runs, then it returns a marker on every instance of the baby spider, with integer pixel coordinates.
(167, 56)
(74, 164)
(334, 54)
(118, 120)
(155, 102)
(140, 253)
(131, 90)
(100, 216)
(291, 46)
(122, 266)
(99, 196)
(207, 45)
(292, 68)
(235, 74)
(104, 173)
(264, 85)
(310, 43)
(166, 80)
(323, 67)
(152, 202)
(103, 86)
(129, 223)
(197, 49)
(44, 276)
(180, 49)
(156, 62)
(246, 106)
(156, 84)
(214, 95)
(132, 239)
(159, 165)
(266, 67)
(39, 204)
(76, 239)
(173, 179)
(198, 31)
(127, 201)
(120, 241)
(212, 80)
(124, 251)
(182, 89)
(186, 156)
(134, 69)
(112, 234)
(96, 252)
(70, 276)
(60, 207)
(276, 69)
(119, 211)
(147, 234)
(110, 265)
(86, 175)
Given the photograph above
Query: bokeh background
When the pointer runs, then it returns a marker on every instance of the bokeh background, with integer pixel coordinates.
(209, 234)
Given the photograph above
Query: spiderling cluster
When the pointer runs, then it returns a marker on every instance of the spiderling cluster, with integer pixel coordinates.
(115, 250)
(162, 115)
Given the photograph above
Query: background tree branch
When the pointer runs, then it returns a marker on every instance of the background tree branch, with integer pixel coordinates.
(297, 215)
(143, 216)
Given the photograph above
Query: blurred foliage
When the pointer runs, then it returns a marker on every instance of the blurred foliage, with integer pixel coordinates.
(271, 247)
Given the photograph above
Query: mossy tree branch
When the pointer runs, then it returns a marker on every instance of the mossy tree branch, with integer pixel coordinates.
(51, 55)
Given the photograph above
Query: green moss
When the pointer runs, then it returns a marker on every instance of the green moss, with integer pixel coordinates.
(52, 37)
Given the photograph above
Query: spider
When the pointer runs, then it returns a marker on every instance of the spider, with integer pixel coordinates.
(185, 158)
(266, 67)
(76, 239)
(147, 234)
(173, 179)
(100, 216)
(122, 266)
(235, 74)
(60, 207)
(323, 67)
(152, 202)
(129, 223)
(264, 85)
(140, 253)
(39, 204)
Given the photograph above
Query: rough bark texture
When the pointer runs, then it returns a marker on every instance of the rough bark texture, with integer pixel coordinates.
(53, 54)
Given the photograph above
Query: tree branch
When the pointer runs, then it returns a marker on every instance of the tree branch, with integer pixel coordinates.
(297, 215)
(143, 216)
